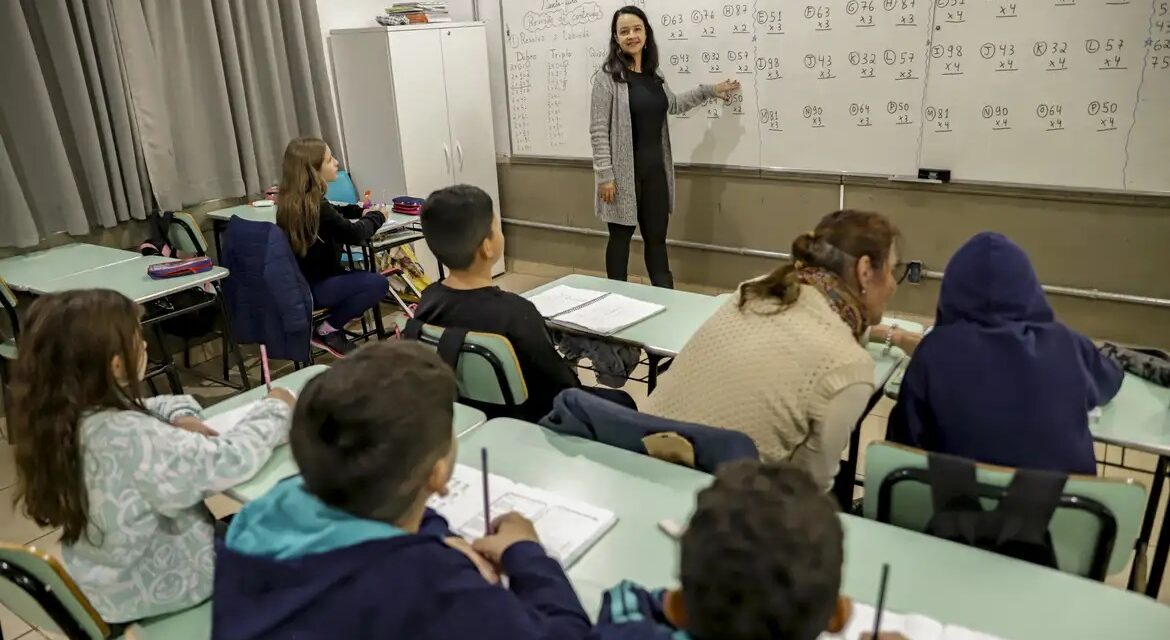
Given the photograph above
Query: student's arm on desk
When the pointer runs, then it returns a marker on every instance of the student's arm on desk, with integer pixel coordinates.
(529, 336)
(181, 468)
(336, 227)
(171, 407)
(539, 604)
(1102, 376)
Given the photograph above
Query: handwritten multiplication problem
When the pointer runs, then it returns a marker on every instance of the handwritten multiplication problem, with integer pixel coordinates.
(950, 11)
(1108, 53)
(1053, 54)
(860, 112)
(1051, 116)
(821, 64)
(771, 120)
(770, 23)
(997, 117)
(939, 117)
(769, 68)
(951, 57)
(1002, 55)
(820, 16)
(902, 113)
(1104, 114)
(814, 115)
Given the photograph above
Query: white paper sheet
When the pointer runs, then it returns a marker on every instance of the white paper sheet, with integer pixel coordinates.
(912, 626)
(561, 299)
(608, 315)
(226, 422)
(567, 528)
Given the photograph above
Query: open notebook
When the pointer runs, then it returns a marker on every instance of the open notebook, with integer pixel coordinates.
(567, 528)
(227, 421)
(912, 626)
(594, 312)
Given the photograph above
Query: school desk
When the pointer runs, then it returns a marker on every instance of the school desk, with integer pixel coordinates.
(661, 336)
(946, 581)
(1137, 418)
(281, 465)
(395, 222)
(85, 266)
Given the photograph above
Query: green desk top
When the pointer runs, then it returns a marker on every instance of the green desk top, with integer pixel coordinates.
(281, 464)
(1138, 417)
(662, 334)
(268, 214)
(129, 278)
(946, 581)
(33, 271)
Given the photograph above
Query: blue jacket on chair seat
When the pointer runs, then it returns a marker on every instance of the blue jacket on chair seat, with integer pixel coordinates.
(269, 299)
(582, 414)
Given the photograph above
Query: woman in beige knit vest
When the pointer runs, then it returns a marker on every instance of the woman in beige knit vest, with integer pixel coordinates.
(782, 360)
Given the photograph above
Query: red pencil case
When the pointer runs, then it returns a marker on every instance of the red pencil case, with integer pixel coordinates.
(178, 268)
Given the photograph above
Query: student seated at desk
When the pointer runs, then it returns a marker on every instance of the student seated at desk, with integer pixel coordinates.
(465, 234)
(761, 558)
(782, 360)
(999, 380)
(349, 549)
(123, 477)
(317, 232)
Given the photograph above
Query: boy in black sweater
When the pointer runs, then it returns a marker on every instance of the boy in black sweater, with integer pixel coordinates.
(465, 235)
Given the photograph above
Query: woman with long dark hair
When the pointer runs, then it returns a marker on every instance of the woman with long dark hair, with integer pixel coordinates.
(631, 143)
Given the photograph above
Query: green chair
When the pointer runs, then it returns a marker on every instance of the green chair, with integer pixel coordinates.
(186, 236)
(7, 342)
(1093, 529)
(35, 587)
(486, 368)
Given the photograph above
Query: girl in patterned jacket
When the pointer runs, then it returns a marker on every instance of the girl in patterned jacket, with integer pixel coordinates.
(124, 477)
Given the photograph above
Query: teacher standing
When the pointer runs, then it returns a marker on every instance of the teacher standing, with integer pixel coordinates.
(631, 144)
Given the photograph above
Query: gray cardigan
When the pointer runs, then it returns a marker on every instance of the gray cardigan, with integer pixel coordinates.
(612, 133)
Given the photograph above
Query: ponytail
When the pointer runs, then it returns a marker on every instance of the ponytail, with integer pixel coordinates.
(840, 239)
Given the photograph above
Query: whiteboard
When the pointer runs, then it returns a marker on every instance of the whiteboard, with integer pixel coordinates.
(1067, 93)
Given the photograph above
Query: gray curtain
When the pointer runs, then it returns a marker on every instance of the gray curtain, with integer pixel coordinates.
(70, 159)
(108, 106)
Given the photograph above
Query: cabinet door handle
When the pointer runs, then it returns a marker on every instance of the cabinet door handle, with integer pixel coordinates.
(459, 148)
(447, 157)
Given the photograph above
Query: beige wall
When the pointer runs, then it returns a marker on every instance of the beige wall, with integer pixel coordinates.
(1116, 244)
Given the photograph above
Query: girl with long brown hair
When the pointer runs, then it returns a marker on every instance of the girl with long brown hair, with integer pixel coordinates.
(782, 360)
(123, 476)
(317, 231)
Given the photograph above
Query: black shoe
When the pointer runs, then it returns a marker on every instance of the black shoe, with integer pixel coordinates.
(334, 343)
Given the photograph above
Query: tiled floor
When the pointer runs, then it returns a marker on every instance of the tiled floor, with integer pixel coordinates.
(14, 527)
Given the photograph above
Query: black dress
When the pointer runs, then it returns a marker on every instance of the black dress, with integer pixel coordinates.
(648, 108)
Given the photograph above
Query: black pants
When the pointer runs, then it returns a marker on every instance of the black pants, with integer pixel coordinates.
(653, 196)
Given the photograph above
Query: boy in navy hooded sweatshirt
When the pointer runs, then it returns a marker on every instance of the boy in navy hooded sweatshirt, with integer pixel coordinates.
(998, 380)
(349, 548)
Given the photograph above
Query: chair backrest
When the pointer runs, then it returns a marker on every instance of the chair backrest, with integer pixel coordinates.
(8, 301)
(186, 236)
(1078, 528)
(342, 189)
(35, 587)
(487, 370)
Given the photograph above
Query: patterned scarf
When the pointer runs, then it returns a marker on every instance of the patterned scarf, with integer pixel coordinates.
(841, 298)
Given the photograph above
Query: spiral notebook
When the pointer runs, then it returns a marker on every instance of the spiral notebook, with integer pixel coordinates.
(567, 528)
(593, 312)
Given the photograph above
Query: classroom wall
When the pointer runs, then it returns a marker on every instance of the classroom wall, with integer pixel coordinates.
(1112, 244)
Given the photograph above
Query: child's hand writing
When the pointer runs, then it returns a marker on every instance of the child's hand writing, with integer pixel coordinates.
(507, 530)
(194, 425)
(486, 569)
(284, 395)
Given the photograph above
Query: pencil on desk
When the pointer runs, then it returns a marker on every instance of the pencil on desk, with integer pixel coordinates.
(264, 371)
(881, 601)
(487, 501)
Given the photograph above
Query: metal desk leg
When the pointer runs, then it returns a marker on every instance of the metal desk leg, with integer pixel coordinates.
(230, 338)
(1162, 549)
(168, 362)
(216, 231)
(652, 361)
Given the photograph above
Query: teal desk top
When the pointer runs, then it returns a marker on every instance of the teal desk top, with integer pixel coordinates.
(268, 214)
(33, 271)
(281, 465)
(662, 334)
(943, 580)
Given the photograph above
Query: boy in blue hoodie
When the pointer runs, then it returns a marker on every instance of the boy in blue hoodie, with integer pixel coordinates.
(999, 380)
(761, 558)
(349, 548)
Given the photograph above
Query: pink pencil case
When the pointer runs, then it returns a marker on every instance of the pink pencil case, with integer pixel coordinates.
(178, 268)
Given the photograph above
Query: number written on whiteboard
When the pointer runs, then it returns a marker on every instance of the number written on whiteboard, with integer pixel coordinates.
(1051, 115)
